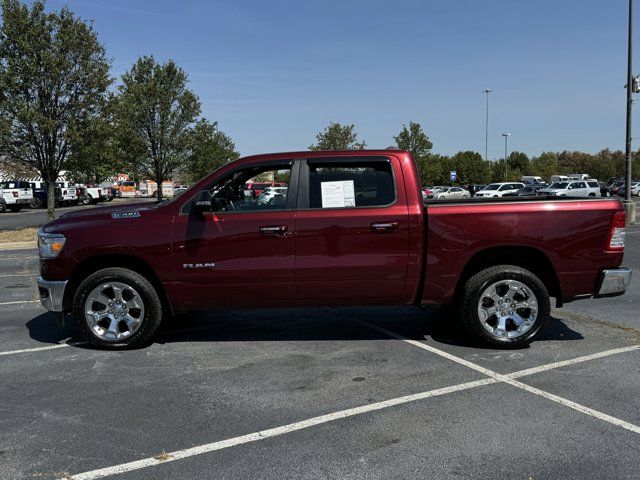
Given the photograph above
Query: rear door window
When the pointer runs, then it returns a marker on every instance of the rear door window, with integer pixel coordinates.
(351, 183)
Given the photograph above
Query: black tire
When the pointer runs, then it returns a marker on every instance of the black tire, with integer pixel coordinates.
(15, 208)
(35, 203)
(86, 200)
(474, 289)
(152, 307)
(3, 207)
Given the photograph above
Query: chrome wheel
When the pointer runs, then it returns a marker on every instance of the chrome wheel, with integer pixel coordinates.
(507, 309)
(113, 311)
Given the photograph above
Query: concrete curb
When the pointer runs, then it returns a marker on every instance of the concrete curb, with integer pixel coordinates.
(18, 245)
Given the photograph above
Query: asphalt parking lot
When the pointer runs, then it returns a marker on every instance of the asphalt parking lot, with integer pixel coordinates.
(319, 393)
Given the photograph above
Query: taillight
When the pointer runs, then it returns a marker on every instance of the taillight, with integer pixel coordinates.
(615, 241)
(15, 194)
(65, 193)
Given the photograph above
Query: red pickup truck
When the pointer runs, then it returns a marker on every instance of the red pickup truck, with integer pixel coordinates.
(351, 229)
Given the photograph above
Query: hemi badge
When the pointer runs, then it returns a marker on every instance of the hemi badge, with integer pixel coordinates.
(116, 215)
(199, 265)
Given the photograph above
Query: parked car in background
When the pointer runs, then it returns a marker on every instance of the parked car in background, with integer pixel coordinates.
(89, 194)
(527, 191)
(179, 190)
(573, 188)
(635, 189)
(558, 178)
(40, 195)
(69, 193)
(604, 189)
(615, 186)
(579, 176)
(499, 189)
(272, 195)
(475, 188)
(532, 180)
(451, 192)
(254, 189)
(16, 195)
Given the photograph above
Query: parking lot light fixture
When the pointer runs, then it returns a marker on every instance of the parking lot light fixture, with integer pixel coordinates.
(506, 138)
(487, 91)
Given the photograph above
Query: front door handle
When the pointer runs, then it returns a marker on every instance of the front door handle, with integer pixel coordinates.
(273, 230)
(383, 227)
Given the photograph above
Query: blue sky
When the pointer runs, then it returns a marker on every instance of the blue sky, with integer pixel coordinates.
(273, 73)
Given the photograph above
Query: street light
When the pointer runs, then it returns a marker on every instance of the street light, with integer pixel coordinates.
(506, 137)
(486, 123)
(630, 208)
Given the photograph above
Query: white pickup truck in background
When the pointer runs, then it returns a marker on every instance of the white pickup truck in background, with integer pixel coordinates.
(92, 195)
(69, 193)
(15, 195)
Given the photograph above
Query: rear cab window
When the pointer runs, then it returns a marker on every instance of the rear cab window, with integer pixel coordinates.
(350, 183)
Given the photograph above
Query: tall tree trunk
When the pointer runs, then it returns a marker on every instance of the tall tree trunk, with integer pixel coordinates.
(159, 181)
(51, 199)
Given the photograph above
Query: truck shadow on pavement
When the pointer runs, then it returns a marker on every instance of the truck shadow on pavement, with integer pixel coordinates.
(309, 324)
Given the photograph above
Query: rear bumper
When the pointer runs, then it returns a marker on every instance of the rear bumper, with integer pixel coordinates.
(613, 282)
(51, 293)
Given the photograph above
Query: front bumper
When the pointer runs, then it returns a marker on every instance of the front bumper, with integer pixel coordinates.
(51, 293)
(613, 282)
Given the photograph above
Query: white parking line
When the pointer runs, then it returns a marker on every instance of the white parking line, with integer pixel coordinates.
(510, 380)
(20, 275)
(292, 427)
(36, 349)
(19, 302)
(274, 432)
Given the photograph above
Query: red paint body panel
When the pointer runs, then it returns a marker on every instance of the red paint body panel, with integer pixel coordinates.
(332, 256)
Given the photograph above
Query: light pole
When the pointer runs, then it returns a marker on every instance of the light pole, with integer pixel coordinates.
(628, 203)
(486, 123)
(506, 137)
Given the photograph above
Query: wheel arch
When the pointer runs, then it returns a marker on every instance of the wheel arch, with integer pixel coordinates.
(92, 264)
(529, 258)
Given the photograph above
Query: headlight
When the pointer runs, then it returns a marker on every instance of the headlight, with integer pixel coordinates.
(50, 244)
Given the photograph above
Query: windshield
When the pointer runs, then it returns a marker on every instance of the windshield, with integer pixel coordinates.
(492, 186)
(558, 186)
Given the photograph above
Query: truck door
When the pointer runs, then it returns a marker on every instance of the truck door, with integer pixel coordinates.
(242, 252)
(352, 231)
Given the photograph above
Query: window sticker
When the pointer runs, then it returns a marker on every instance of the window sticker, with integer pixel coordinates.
(338, 194)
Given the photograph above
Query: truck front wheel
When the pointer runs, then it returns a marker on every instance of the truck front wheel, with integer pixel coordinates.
(505, 306)
(117, 308)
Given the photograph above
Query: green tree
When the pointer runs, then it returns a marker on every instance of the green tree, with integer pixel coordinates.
(54, 76)
(545, 165)
(209, 149)
(338, 137)
(414, 140)
(519, 162)
(154, 112)
(94, 156)
(471, 167)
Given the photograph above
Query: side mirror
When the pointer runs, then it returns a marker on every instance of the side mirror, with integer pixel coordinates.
(202, 202)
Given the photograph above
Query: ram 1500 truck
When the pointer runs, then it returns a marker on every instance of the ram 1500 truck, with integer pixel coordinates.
(351, 228)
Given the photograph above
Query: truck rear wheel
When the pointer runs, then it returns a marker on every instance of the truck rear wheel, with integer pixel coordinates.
(117, 308)
(505, 306)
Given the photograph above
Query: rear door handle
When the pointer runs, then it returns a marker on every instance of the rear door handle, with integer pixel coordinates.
(273, 230)
(384, 226)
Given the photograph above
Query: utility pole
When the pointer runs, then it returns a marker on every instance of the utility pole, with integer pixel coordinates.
(629, 205)
(486, 123)
(506, 137)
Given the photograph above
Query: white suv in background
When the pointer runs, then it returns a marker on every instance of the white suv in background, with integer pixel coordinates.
(574, 188)
(15, 195)
(499, 189)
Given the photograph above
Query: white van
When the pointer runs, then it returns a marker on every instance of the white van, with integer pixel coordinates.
(532, 180)
(558, 178)
(579, 176)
